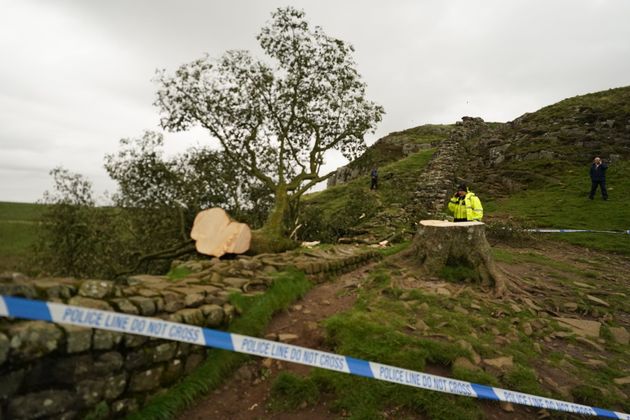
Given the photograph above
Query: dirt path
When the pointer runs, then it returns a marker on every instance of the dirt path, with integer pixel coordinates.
(245, 395)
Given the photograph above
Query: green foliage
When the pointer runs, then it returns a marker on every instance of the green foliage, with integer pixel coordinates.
(156, 204)
(266, 242)
(390, 149)
(19, 227)
(197, 179)
(275, 121)
(75, 237)
(289, 392)
(328, 226)
(257, 311)
(178, 272)
(352, 207)
(507, 230)
(609, 104)
(380, 278)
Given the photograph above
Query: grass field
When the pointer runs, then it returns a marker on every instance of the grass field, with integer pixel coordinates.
(565, 205)
(18, 233)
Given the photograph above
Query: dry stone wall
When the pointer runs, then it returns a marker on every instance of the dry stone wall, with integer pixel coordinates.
(57, 371)
(446, 168)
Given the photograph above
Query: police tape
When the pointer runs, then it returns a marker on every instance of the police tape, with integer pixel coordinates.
(153, 327)
(627, 232)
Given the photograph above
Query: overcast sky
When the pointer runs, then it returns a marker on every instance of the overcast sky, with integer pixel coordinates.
(75, 76)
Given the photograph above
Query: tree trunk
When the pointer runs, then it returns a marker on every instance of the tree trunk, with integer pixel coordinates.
(274, 226)
(272, 237)
(216, 234)
(438, 244)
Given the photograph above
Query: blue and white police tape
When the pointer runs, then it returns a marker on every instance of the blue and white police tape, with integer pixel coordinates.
(576, 231)
(153, 327)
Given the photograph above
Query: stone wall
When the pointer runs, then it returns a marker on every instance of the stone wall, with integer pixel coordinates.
(445, 169)
(56, 371)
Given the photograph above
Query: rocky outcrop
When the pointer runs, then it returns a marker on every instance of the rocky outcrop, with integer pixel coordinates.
(60, 370)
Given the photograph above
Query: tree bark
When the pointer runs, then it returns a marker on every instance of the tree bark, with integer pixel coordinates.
(438, 244)
(274, 226)
(273, 236)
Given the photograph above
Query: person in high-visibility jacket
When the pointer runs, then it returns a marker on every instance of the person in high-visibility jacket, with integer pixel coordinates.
(465, 205)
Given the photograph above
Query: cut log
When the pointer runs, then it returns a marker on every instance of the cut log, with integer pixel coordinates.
(439, 243)
(216, 234)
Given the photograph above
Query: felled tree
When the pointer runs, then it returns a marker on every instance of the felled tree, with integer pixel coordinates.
(189, 182)
(160, 197)
(275, 121)
(75, 236)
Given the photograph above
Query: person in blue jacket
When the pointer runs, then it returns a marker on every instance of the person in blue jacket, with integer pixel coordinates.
(598, 177)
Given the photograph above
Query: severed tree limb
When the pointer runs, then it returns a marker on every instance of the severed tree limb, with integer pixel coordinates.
(178, 250)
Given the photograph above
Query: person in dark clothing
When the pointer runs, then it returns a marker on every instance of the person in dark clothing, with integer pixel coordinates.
(374, 177)
(598, 177)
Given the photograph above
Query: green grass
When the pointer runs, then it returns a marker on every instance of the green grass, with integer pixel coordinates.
(389, 149)
(256, 313)
(375, 329)
(390, 188)
(18, 230)
(566, 205)
(506, 256)
(339, 210)
(178, 273)
(524, 379)
(21, 211)
(362, 398)
(290, 391)
(612, 102)
(394, 249)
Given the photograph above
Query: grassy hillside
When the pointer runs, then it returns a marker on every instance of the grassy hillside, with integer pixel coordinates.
(353, 209)
(18, 230)
(540, 170)
(565, 205)
(612, 104)
(392, 147)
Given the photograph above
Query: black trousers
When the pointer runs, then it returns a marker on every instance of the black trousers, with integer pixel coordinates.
(602, 186)
(374, 184)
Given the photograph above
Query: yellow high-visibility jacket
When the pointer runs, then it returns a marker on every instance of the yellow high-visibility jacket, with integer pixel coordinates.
(468, 207)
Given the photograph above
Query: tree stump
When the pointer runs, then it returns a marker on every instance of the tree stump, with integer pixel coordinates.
(438, 244)
(217, 234)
